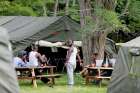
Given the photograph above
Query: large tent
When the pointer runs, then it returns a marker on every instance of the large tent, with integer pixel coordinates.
(126, 74)
(25, 30)
(48, 32)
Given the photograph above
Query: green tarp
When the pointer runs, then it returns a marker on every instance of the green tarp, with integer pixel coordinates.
(25, 30)
(126, 74)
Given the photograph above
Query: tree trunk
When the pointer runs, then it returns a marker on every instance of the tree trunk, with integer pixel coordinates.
(67, 7)
(93, 42)
(44, 10)
(82, 13)
(74, 2)
(86, 47)
(86, 37)
(98, 43)
(88, 7)
(56, 7)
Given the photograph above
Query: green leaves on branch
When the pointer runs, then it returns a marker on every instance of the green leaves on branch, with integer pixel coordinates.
(134, 9)
(7, 8)
(109, 20)
(134, 15)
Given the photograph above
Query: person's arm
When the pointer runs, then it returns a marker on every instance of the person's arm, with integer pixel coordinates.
(79, 59)
(39, 56)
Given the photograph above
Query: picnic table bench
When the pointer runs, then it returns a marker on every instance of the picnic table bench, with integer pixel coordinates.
(97, 76)
(29, 73)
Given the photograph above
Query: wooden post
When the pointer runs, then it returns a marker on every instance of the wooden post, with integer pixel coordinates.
(34, 78)
(51, 70)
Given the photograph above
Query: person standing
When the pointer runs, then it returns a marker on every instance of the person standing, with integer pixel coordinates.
(71, 62)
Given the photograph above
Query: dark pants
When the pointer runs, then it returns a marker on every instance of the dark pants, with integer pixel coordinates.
(43, 79)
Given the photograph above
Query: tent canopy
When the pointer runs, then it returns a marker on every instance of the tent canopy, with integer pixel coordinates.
(133, 43)
(126, 74)
(56, 44)
(24, 30)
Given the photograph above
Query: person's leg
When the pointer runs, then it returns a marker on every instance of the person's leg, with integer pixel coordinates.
(70, 70)
(43, 79)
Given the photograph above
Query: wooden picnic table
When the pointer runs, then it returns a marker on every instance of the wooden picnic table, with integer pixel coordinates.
(99, 75)
(33, 76)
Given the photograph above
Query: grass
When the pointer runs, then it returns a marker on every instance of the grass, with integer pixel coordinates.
(61, 86)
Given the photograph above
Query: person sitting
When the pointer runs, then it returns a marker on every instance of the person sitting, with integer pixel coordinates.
(84, 72)
(34, 58)
(44, 60)
(20, 60)
(106, 63)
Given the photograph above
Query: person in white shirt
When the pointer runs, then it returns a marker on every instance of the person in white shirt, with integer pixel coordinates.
(71, 62)
(34, 57)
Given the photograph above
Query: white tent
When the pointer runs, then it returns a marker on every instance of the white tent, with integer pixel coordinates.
(56, 44)
(133, 43)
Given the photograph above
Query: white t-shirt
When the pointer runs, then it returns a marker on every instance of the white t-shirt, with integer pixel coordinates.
(99, 62)
(72, 58)
(33, 60)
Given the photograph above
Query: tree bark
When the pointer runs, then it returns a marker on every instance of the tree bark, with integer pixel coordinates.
(98, 43)
(44, 9)
(67, 7)
(93, 42)
(56, 7)
(74, 2)
(82, 13)
(86, 37)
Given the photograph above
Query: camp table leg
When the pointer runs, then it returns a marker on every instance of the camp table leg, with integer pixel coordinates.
(99, 72)
(87, 80)
(99, 75)
(51, 70)
(53, 80)
(34, 78)
(100, 83)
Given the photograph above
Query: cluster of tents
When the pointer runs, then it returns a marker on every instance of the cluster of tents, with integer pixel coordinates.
(54, 31)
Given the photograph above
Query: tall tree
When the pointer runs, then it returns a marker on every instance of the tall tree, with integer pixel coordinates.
(56, 7)
(97, 23)
(67, 7)
(85, 37)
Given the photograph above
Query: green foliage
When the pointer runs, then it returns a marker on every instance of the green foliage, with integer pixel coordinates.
(113, 19)
(109, 17)
(134, 15)
(20, 10)
(88, 29)
(130, 17)
(8, 8)
(74, 13)
(62, 87)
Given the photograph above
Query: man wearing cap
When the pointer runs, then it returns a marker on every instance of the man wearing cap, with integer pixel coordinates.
(20, 60)
(71, 62)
